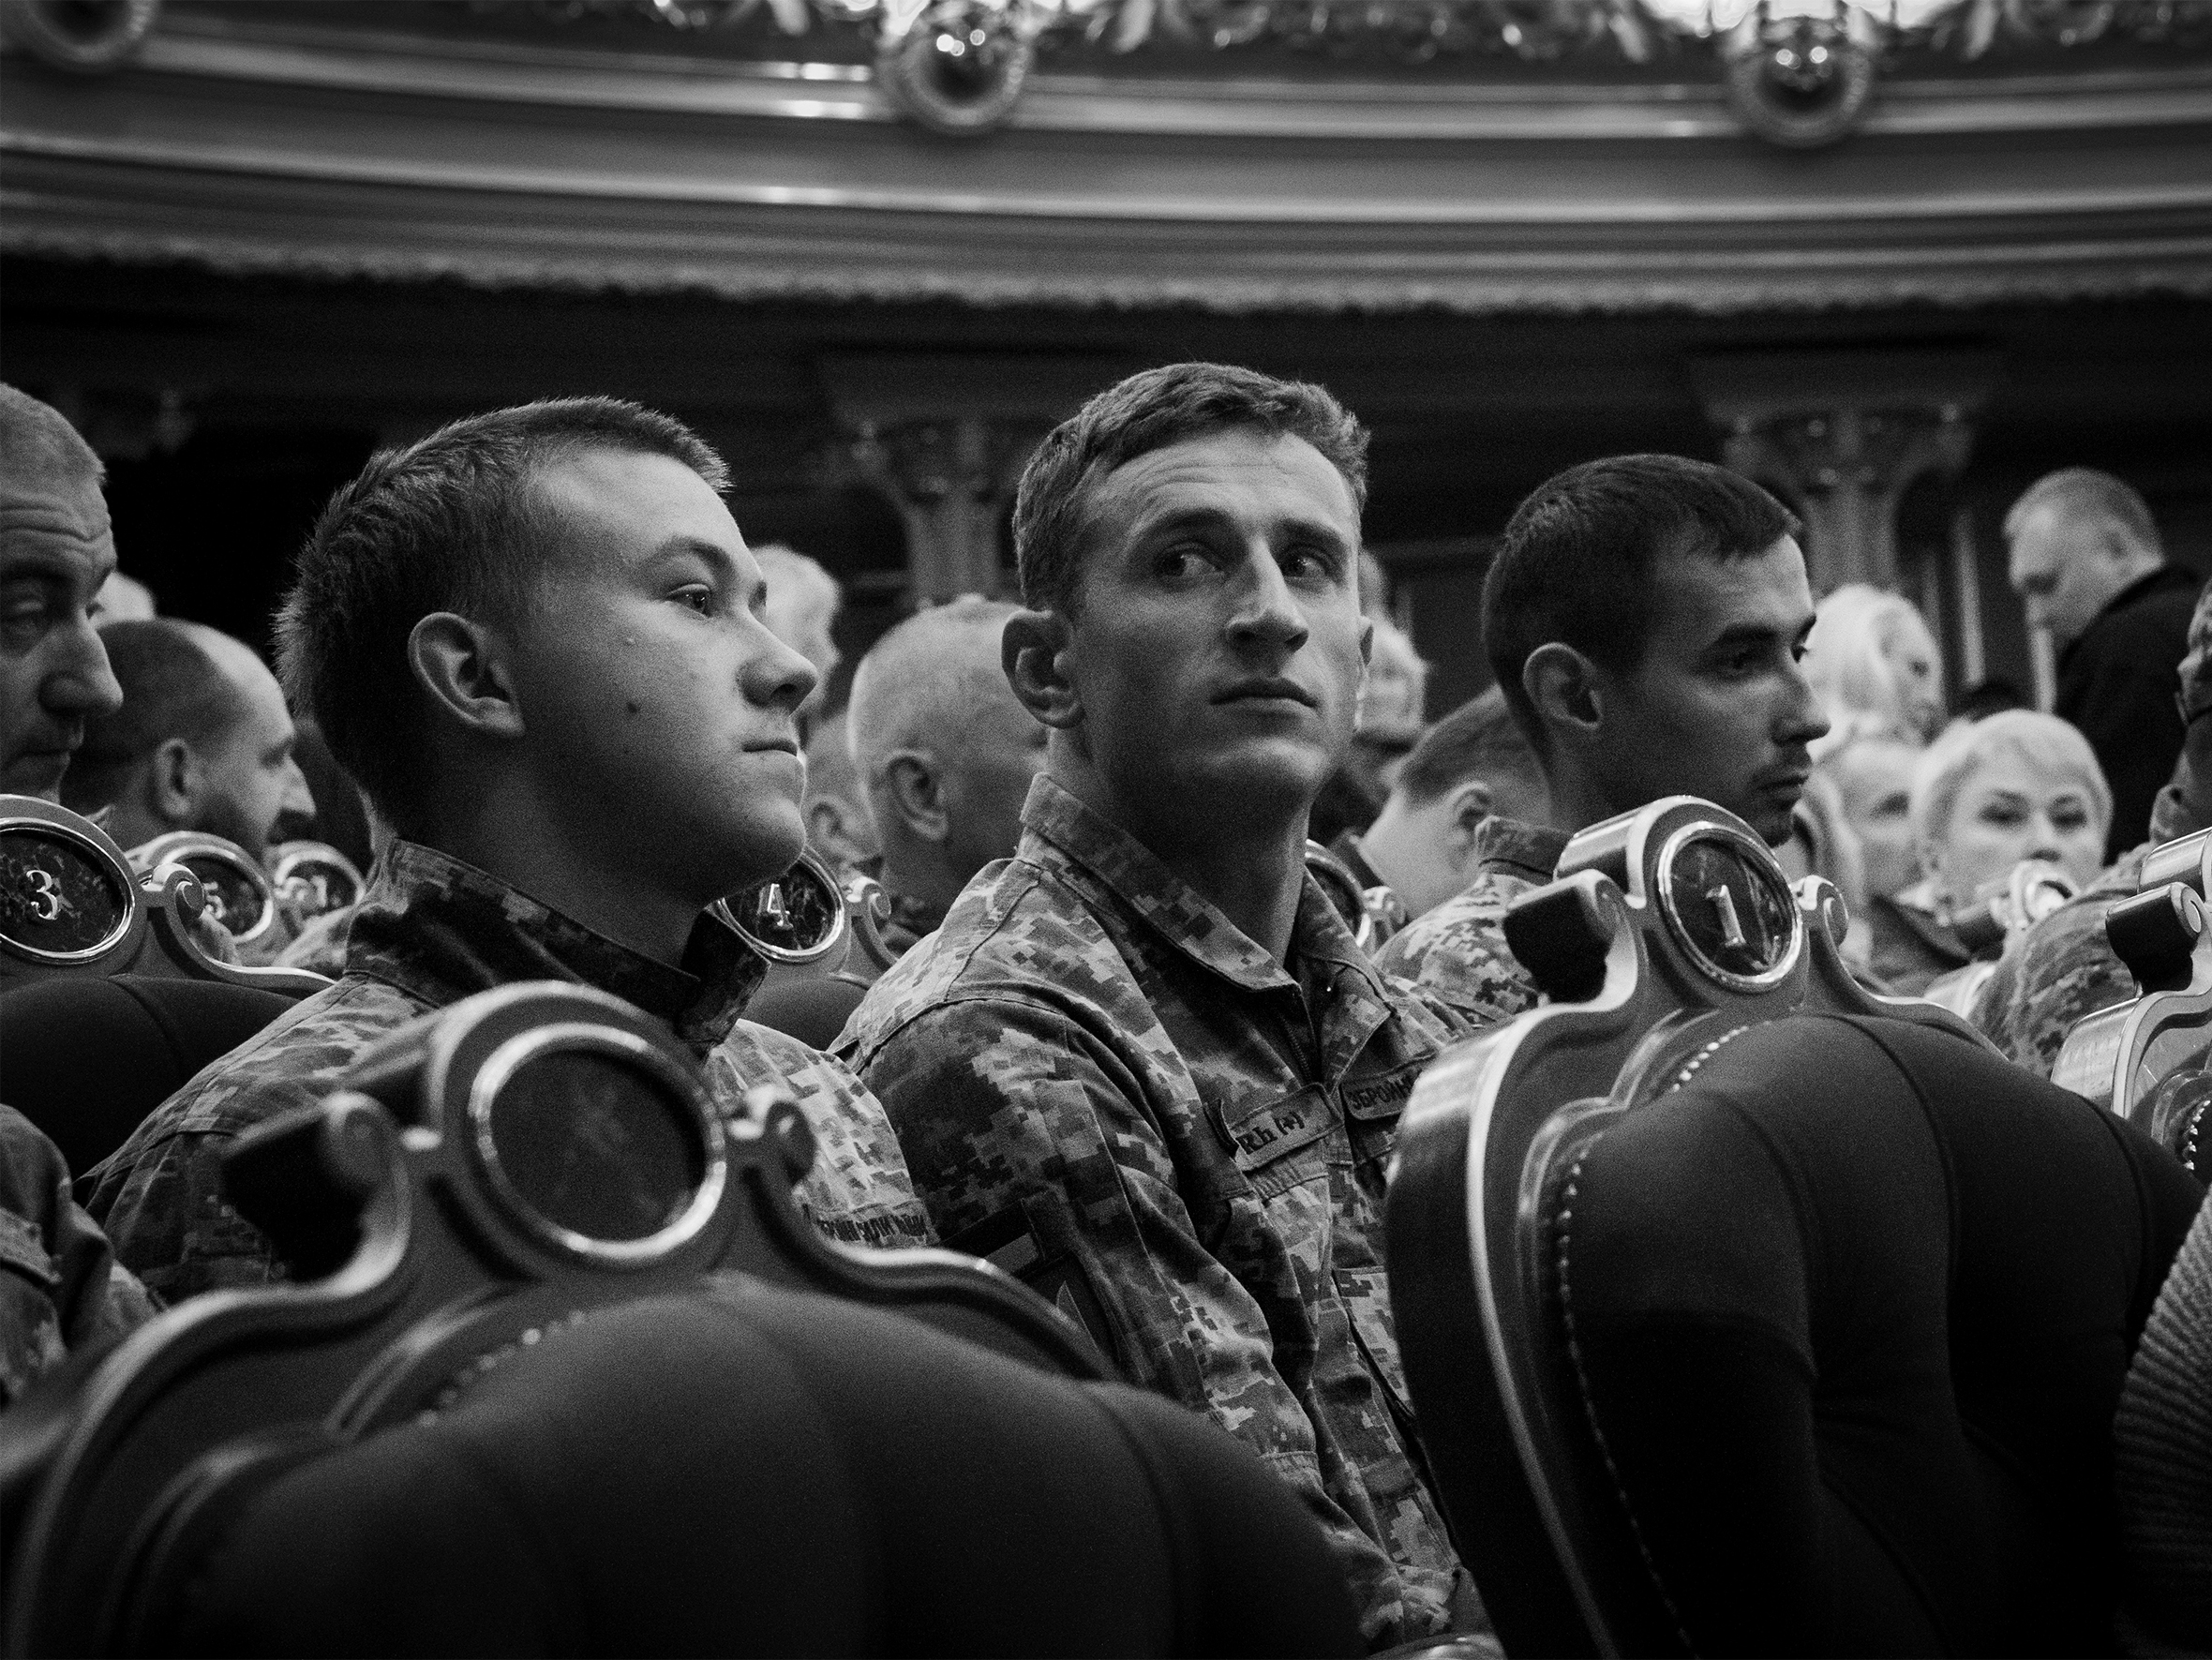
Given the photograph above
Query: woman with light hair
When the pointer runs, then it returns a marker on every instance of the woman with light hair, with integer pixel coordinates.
(1987, 795)
(1875, 665)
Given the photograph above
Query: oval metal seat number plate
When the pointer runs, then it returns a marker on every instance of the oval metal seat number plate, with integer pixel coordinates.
(58, 901)
(1729, 908)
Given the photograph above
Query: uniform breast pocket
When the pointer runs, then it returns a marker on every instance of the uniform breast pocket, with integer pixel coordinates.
(1281, 1142)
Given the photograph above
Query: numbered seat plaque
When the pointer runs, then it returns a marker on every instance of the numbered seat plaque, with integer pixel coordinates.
(62, 899)
(1728, 906)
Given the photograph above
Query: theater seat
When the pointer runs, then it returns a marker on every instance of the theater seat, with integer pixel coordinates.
(745, 1470)
(1745, 1315)
(85, 1059)
(814, 1011)
(561, 1369)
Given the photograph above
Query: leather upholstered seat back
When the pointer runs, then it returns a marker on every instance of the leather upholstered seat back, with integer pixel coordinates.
(1747, 1313)
(86, 1059)
(561, 1369)
(747, 1470)
(1849, 1312)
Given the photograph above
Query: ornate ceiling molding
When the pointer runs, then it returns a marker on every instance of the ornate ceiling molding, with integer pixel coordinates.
(287, 147)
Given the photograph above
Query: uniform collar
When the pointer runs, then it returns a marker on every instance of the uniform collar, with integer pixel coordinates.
(1060, 832)
(1520, 848)
(442, 930)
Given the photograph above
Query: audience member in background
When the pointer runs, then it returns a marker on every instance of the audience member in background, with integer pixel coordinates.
(945, 753)
(1472, 764)
(59, 1289)
(2063, 967)
(535, 639)
(1874, 664)
(56, 553)
(1873, 777)
(1985, 796)
(2086, 559)
(202, 743)
(1393, 711)
(835, 806)
(1142, 1058)
(1644, 617)
(803, 600)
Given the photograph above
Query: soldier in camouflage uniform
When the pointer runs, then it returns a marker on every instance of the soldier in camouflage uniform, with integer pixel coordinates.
(578, 749)
(1143, 1064)
(1644, 617)
(2063, 968)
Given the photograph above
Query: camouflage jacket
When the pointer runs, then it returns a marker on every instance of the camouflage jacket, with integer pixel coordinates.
(1106, 1088)
(60, 1286)
(1458, 951)
(429, 932)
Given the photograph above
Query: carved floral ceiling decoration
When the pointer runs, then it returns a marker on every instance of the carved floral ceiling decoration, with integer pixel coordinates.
(1798, 71)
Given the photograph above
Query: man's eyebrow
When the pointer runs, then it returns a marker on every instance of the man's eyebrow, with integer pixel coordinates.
(1201, 516)
(1748, 634)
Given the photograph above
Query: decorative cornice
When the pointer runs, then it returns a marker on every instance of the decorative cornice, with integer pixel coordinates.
(535, 165)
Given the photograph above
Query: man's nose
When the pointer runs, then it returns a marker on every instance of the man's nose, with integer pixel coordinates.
(1266, 612)
(299, 800)
(1804, 719)
(79, 683)
(780, 677)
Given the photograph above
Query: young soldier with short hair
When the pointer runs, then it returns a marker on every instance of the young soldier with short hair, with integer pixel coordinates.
(1143, 1062)
(535, 639)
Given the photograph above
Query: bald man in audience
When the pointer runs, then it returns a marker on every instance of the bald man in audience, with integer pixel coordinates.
(1472, 765)
(945, 751)
(202, 742)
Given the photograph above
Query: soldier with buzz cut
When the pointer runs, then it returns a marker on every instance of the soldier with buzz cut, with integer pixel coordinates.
(535, 639)
(1141, 1063)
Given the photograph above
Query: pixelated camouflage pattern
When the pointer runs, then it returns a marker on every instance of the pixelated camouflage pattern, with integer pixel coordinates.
(430, 931)
(60, 1286)
(1090, 1053)
(1458, 951)
(319, 946)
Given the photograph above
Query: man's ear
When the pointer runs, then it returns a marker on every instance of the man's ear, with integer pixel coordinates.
(1469, 804)
(917, 794)
(1565, 686)
(1034, 653)
(174, 782)
(462, 665)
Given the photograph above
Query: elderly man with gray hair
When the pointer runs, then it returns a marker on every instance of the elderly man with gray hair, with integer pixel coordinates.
(2088, 561)
(944, 753)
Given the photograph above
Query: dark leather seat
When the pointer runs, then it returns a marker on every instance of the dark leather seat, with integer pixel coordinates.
(561, 1369)
(1747, 1314)
(85, 1058)
(1850, 1312)
(746, 1470)
(812, 1010)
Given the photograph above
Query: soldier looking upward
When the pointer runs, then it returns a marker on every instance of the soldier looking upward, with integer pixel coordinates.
(1645, 618)
(535, 639)
(1141, 1063)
